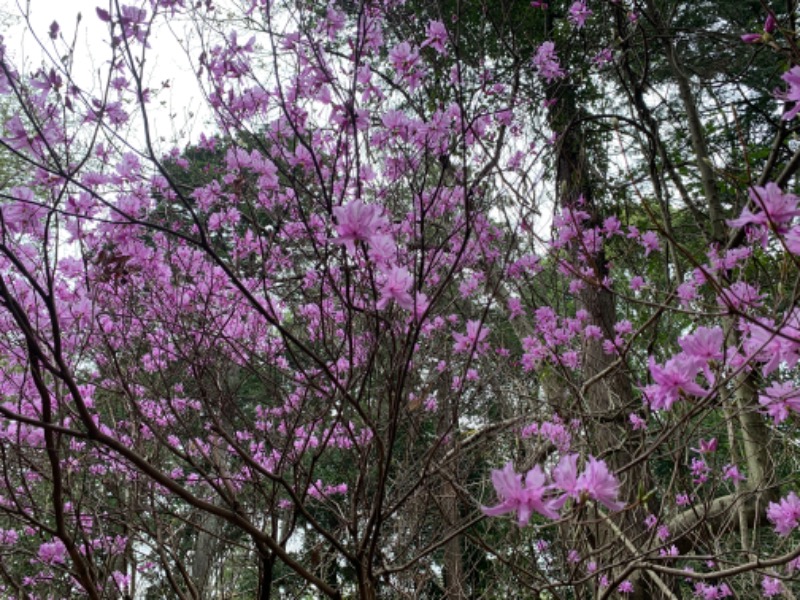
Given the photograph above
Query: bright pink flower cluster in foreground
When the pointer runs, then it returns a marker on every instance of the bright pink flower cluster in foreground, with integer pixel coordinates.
(596, 482)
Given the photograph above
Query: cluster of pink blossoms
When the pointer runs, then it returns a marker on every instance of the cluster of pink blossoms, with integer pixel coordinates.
(366, 223)
(785, 514)
(775, 210)
(779, 400)
(706, 591)
(578, 13)
(596, 482)
(472, 339)
(546, 62)
(52, 553)
(678, 375)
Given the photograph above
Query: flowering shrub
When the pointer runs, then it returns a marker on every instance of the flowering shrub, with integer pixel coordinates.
(286, 356)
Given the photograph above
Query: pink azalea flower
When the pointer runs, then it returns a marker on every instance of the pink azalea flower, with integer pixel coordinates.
(600, 484)
(705, 343)
(565, 478)
(612, 226)
(519, 498)
(8, 537)
(752, 38)
(650, 242)
(784, 514)
(706, 446)
(637, 422)
(382, 249)
(671, 551)
(637, 283)
(437, 36)
(396, 289)
(578, 13)
(687, 292)
(476, 333)
(573, 556)
(793, 93)
(771, 586)
(53, 553)
(700, 470)
(792, 240)
(771, 24)
(357, 222)
(406, 62)
(776, 208)
(546, 62)
(793, 565)
(403, 57)
(706, 591)
(603, 57)
(779, 400)
(677, 375)
(772, 348)
(732, 472)
(24, 213)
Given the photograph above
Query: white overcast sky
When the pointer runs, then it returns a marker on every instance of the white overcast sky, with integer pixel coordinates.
(177, 112)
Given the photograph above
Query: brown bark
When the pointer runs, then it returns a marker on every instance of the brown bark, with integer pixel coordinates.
(205, 549)
(453, 560)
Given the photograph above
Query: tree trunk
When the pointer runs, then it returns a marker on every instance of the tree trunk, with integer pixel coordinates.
(266, 575)
(366, 586)
(205, 550)
(453, 560)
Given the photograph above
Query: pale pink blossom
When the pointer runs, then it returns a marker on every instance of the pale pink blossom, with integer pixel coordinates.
(792, 240)
(700, 470)
(546, 62)
(792, 77)
(437, 36)
(706, 446)
(771, 586)
(637, 422)
(516, 497)
(705, 343)
(53, 553)
(578, 13)
(774, 207)
(357, 222)
(779, 400)
(676, 376)
(650, 242)
(706, 591)
(476, 333)
(732, 472)
(396, 289)
(600, 484)
(565, 478)
(784, 514)
(603, 57)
